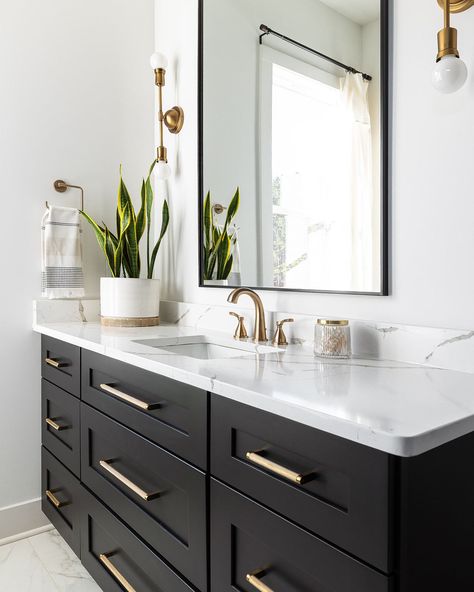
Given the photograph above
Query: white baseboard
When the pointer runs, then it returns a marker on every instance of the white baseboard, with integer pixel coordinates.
(22, 520)
(25, 535)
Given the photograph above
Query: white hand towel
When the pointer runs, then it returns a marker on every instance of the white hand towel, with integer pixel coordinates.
(62, 275)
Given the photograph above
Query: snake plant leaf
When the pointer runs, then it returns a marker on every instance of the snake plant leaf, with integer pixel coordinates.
(119, 247)
(99, 231)
(142, 214)
(223, 255)
(126, 264)
(114, 249)
(165, 219)
(125, 211)
(109, 251)
(228, 267)
(233, 207)
(212, 264)
(208, 221)
(218, 237)
(132, 246)
(149, 204)
(123, 199)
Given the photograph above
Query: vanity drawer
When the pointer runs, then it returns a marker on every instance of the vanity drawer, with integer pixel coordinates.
(110, 552)
(344, 493)
(61, 364)
(170, 413)
(61, 499)
(160, 496)
(60, 414)
(249, 540)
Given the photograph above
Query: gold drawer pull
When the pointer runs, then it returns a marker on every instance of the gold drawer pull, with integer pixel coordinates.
(115, 572)
(54, 363)
(273, 467)
(55, 425)
(129, 398)
(148, 497)
(257, 583)
(53, 499)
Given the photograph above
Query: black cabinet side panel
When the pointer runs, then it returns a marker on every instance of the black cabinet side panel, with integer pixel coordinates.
(436, 519)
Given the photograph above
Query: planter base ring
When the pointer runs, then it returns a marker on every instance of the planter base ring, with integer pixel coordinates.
(130, 321)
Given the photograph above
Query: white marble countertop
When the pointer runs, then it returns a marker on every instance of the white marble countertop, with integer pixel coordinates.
(399, 408)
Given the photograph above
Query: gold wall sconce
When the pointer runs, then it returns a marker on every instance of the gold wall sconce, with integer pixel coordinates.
(450, 72)
(173, 119)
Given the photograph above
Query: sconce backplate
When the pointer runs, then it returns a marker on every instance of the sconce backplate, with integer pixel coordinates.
(174, 120)
(457, 5)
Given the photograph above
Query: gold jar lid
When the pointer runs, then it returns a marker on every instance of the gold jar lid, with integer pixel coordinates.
(333, 322)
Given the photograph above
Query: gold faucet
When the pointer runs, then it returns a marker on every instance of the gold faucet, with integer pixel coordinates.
(260, 330)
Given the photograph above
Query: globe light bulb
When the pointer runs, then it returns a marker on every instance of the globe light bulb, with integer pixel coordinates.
(158, 61)
(449, 74)
(162, 170)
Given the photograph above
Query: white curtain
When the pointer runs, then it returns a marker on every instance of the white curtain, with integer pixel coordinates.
(356, 106)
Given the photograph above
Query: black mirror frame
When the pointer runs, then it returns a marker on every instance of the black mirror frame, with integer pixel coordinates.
(386, 20)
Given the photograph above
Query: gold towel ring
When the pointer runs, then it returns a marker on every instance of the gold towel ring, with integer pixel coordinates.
(61, 186)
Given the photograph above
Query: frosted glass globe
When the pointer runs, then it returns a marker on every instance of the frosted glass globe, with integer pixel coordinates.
(450, 74)
(162, 170)
(158, 61)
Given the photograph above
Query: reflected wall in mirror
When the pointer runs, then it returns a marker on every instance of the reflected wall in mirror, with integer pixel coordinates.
(295, 115)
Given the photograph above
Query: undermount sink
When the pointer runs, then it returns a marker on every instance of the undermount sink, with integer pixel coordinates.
(202, 347)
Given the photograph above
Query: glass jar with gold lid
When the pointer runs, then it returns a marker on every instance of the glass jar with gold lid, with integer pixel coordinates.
(332, 338)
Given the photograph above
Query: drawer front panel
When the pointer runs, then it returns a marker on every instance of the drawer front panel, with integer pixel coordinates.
(251, 547)
(176, 417)
(61, 364)
(330, 486)
(160, 496)
(113, 555)
(60, 416)
(60, 499)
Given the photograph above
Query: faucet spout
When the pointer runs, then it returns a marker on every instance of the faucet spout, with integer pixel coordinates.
(260, 330)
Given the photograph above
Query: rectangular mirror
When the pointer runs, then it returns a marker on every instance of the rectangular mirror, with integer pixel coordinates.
(294, 115)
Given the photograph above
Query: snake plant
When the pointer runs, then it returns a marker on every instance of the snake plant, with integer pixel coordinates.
(218, 241)
(121, 249)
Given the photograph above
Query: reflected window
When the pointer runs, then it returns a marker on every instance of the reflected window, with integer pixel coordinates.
(318, 217)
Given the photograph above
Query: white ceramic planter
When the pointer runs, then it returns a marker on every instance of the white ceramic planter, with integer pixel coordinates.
(216, 282)
(127, 302)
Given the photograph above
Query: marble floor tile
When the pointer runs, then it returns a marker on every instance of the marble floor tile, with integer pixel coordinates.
(62, 564)
(43, 563)
(22, 571)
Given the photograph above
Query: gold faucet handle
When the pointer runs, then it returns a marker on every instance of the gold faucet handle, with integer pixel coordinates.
(280, 337)
(240, 331)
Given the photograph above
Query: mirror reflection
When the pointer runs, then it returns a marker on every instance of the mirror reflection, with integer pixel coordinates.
(292, 118)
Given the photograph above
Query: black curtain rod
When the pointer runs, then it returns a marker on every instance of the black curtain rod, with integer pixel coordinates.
(267, 31)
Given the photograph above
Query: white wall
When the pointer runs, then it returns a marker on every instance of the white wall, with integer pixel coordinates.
(77, 99)
(433, 204)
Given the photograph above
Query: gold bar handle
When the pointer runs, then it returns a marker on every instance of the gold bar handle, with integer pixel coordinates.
(279, 470)
(115, 572)
(129, 398)
(54, 363)
(257, 583)
(53, 499)
(148, 497)
(55, 425)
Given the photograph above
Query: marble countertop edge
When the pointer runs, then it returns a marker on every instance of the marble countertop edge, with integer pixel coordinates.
(397, 439)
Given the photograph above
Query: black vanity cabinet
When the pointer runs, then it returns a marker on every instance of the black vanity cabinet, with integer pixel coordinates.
(124, 466)
(160, 487)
